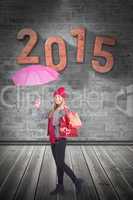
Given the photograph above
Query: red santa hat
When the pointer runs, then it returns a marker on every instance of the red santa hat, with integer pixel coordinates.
(61, 91)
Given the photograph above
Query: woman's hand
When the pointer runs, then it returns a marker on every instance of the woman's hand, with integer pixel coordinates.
(37, 103)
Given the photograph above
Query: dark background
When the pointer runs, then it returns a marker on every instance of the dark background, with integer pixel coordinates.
(91, 94)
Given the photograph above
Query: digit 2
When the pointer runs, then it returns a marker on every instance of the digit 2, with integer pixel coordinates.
(24, 57)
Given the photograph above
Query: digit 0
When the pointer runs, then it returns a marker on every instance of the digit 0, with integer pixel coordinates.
(62, 52)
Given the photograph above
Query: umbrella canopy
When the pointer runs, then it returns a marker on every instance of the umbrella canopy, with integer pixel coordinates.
(34, 75)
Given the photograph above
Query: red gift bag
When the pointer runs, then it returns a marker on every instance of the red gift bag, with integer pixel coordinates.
(66, 129)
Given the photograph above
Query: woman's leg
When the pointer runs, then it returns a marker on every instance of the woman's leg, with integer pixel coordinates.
(59, 155)
(69, 172)
(59, 187)
(58, 151)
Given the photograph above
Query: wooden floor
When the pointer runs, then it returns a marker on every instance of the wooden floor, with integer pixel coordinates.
(29, 172)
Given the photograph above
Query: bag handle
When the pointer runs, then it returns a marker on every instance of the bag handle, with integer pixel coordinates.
(66, 109)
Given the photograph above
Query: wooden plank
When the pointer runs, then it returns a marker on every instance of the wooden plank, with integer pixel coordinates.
(81, 170)
(13, 179)
(122, 187)
(4, 152)
(104, 187)
(126, 153)
(3, 148)
(131, 147)
(47, 179)
(125, 169)
(28, 184)
(8, 162)
(68, 184)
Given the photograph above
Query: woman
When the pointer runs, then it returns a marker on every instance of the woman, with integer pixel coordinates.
(58, 143)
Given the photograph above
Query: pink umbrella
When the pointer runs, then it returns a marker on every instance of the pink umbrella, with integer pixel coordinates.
(34, 75)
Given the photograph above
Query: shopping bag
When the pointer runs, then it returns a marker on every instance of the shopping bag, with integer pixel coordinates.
(69, 124)
(65, 128)
(74, 119)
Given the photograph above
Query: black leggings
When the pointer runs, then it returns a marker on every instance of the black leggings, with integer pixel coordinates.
(58, 151)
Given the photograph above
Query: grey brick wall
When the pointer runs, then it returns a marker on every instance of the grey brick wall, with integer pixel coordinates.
(91, 94)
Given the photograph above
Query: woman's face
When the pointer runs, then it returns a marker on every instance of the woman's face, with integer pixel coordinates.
(58, 99)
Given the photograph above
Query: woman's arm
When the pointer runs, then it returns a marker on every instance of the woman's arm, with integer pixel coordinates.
(39, 115)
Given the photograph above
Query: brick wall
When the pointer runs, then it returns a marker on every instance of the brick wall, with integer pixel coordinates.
(99, 98)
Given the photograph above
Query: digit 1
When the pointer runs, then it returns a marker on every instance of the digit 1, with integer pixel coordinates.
(79, 34)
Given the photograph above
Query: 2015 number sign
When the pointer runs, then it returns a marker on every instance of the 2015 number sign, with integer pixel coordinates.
(79, 34)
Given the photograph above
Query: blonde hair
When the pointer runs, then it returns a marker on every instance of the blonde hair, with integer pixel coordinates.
(54, 107)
